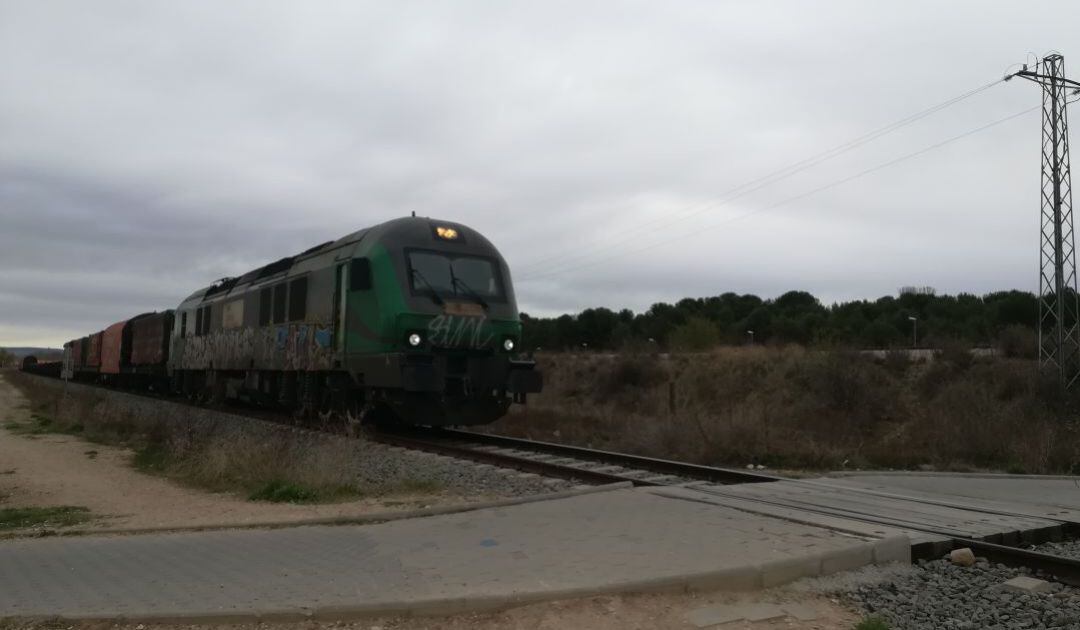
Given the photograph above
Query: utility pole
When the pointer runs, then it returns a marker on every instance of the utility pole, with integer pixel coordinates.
(1059, 338)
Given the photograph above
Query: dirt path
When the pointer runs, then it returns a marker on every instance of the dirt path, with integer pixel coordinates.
(54, 470)
(662, 611)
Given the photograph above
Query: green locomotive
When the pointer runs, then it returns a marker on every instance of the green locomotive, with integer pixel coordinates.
(412, 320)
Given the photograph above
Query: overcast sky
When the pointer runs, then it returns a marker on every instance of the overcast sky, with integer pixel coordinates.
(148, 148)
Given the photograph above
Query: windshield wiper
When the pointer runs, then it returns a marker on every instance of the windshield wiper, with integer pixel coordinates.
(438, 299)
(476, 296)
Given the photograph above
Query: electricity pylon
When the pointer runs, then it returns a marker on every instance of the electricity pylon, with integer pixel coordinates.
(1059, 336)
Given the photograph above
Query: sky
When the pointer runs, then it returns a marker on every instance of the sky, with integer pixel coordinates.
(148, 148)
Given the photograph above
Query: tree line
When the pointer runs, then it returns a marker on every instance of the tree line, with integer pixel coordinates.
(1004, 318)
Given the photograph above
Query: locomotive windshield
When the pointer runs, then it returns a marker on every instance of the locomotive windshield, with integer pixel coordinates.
(449, 275)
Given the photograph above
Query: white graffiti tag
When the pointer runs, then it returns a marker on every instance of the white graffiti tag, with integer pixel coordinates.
(455, 331)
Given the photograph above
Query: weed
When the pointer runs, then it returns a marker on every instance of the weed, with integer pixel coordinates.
(27, 430)
(281, 491)
(152, 458)
(1015, 468)
(9, 471)
(63, 516)
(41, 425)
(413, 486)
(278, 491)
(16, 623)
(872, 623)
(91, 454)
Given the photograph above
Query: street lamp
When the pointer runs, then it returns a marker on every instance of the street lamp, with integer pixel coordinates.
(914, 331)
(751, 333)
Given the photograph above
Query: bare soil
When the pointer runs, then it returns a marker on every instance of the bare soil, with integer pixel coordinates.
(619, 612)
(55, 470)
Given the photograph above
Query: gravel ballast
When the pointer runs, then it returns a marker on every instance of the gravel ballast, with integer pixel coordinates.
(939, 595)
(379, 463)
(1068, 548)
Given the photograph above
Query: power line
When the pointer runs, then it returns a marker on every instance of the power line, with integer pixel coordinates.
(771, 178)
(802, 195)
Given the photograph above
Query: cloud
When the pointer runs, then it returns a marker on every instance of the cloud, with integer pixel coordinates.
(152, 147)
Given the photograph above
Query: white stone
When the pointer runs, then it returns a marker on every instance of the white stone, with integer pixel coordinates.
(963, 557)
(1027, 585)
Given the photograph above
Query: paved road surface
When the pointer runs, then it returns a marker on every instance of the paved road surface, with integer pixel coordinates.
(599, 541)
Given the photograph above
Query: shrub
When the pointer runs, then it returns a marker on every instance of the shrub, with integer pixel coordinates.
(897, 362)
(278, 491)
(63, 516)
(872, 623)
(815, 409)
(1018, 341)
(956, 353)
(696, 335)
(629, 373)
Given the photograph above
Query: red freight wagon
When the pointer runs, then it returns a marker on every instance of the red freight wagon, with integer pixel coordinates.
(77, 356)
(150, 341)
(93, 356)
(112, 348)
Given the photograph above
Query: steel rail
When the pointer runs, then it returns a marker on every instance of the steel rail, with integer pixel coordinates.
(1062, 568)
(526, 464)
(652, 464)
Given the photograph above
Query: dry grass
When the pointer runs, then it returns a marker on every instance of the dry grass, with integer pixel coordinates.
(269, 467)
(259, 461)
(795, 408)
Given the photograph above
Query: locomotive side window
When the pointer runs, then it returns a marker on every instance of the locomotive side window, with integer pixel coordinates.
(183, 324)
(265, 300)
(205, 321)
(360, 274)
(280, 303)
(198, 321)
(232, 314)
(297, 299)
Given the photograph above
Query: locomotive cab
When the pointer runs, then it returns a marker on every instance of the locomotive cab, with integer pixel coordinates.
(432, 327)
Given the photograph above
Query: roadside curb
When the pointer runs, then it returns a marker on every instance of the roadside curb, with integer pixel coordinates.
(936, 473)
(751, 577)
(363, 519)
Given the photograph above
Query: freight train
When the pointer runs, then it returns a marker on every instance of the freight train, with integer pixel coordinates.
(413, 320)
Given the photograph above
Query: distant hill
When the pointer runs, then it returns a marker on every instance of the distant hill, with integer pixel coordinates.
(37, 352)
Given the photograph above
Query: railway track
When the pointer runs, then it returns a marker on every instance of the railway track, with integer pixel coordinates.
(564, 461)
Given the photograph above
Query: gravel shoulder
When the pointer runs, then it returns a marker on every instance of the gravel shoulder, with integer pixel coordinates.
(940, 595)
(61, 470)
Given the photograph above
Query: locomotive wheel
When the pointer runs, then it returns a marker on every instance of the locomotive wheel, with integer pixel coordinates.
(379, 416)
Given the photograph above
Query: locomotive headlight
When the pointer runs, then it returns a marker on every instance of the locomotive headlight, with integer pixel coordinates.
(414, 339)
(508, 344)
